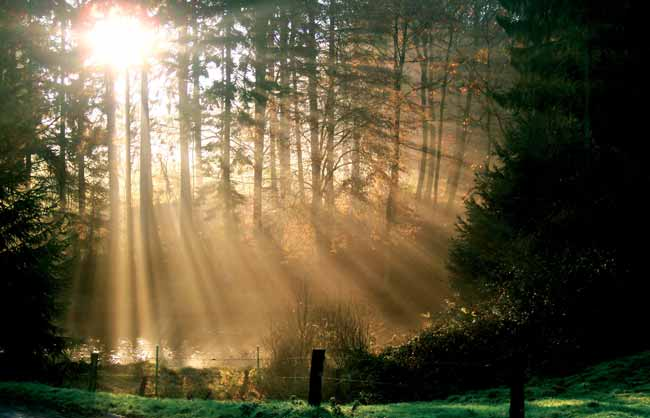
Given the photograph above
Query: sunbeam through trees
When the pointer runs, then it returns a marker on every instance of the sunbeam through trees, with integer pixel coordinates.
(442, 194)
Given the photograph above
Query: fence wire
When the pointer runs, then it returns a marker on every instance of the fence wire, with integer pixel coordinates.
(176, 379)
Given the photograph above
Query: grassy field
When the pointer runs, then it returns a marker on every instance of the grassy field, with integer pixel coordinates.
(619, 388)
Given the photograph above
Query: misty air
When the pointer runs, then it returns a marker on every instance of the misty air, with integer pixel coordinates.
(322, 208)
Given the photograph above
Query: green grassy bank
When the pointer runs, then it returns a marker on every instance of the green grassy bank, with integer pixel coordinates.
(619, 388)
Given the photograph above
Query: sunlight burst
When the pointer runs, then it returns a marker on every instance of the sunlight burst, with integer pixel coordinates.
(119, 40)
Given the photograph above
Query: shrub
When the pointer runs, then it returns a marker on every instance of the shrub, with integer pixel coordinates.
(342, 330)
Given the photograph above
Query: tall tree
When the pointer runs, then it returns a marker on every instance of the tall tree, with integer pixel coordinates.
(184, 125)
(283, 134)
(528, 247)
(311, 69)
(113, 157)
(400, 41)
(273, 116)
(431, 118)
(128, 161)
(441, 109)
(61, 169)
(146, 181)
(33, 237)
(226, 185)
(297, 132)
(260, 17)
(197, 121)
(81, 146)
(330, 122)
(423, 56)
(399, 32)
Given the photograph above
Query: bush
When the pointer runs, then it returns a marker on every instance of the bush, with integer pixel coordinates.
(342, 330)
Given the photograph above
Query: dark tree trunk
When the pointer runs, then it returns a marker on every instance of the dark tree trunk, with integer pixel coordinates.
(431, 155)
(146, 183)
(283, 139)
(147, 220)
(297, 137)
(81, 169)
(356, 161)
(443, 96)
(424, 96)
(130, 256)
(127, 153)
(184, 132)
(517, 395)
(314, 138)
(399, 50)
(459, 157)
(61, 163)
(272, 107)
(260, 39)
(329, 114)
(225, 157)
(273, 139)
(196, 104)
(112, 155)
(399, 56)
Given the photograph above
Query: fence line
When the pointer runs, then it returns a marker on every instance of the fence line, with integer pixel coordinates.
(310, 379)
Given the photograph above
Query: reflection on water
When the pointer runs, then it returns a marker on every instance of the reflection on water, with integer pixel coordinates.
(126, 351)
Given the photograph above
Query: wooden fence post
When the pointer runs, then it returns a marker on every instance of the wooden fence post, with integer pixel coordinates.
(92, 381)
(316, 377)
(517, 389)
(155, 387)
(258, 358)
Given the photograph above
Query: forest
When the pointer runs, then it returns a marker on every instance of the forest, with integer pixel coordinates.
(442, 194)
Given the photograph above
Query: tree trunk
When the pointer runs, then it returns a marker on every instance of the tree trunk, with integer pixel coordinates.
(283, 139)
(146, 183)
(147, 220)
(424, 95)
(196, 105)
(273, 130)
(127, 153)
(273, 139)
(184, 132)
(459, 156)
(399, 56)
(81, 154)
(314, 140)
(431, 155)
(356, 164)
(297, 134)
(489, 111)
(225, 151)
(329, 114)
(443, 96)
(490, 140)
(130, 256)
(61, 163)
(113, 153)
(517, 390)
(81, 170)
(399, 50)
(260, 110)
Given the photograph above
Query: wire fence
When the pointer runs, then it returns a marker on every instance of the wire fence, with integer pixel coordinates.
(245, 377)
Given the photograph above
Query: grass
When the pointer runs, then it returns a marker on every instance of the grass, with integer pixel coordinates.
(617, 389)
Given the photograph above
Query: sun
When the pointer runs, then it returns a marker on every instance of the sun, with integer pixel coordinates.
(119, 40)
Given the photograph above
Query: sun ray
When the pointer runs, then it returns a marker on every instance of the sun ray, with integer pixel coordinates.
(119, 40)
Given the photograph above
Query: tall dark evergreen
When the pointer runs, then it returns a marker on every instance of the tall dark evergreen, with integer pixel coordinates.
(546, 239)
(33, 244)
